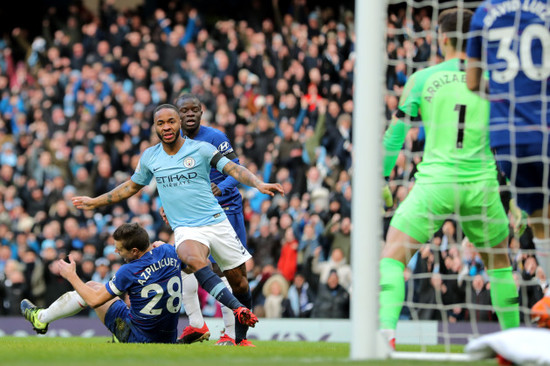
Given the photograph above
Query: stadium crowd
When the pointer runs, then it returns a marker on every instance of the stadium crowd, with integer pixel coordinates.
(76, 105)
(76, 112)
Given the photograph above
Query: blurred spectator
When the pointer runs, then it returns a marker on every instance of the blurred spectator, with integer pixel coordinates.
(102, 272)
(336, 262)
(478, 301)
(265, 247)
(287, 263)
(427, 286)
(332, 299)
(530, 289)
(13, 287)
(338, 235)
(301, 297)
(275, 291)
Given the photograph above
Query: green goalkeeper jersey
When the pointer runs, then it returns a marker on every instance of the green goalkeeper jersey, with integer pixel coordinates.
(456, 123)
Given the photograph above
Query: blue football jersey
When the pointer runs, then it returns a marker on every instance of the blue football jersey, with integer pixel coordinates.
(153, 284)
(183, 182)
(230, 200)
(512, 38)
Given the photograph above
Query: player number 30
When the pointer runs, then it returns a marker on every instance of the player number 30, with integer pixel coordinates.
(505, 52)
(174, 290)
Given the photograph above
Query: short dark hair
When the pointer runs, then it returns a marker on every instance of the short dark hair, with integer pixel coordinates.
(186, 96)
(449, 22)
(132, 236)
(164, 106)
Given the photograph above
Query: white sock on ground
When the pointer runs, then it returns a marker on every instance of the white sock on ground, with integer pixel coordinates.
(70, 303)
(190, 300)
(228, 316)
(388, 334)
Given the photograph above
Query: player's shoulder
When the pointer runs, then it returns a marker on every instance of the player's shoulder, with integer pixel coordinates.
(417, 78)
(481, 11)
(212, 135)
(445, 66)
(149, 154)
(124, 271)
(152, 150)
(165, 249)
(197, 144)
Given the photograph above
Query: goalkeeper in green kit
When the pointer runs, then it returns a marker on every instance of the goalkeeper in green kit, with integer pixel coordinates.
(457, 175)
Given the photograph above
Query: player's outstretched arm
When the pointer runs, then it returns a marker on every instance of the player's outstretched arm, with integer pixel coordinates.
(245, 176)
(122, 192)
(93, 297)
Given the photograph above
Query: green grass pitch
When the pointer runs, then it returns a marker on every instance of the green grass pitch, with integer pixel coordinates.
(36, 351)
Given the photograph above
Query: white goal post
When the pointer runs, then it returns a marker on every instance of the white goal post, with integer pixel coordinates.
(367, 156)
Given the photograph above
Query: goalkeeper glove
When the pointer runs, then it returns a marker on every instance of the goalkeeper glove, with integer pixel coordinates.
(387, 195)
(520, 218)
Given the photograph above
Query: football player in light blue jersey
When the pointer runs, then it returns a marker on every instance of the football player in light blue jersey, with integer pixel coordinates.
(510, 39)
(150, 277)
(181, 168)
(225, 189)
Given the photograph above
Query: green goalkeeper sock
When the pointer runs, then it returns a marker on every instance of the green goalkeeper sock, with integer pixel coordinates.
(504, 296)
(392, 292)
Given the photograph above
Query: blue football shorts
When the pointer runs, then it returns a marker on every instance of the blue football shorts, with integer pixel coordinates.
(528, 174)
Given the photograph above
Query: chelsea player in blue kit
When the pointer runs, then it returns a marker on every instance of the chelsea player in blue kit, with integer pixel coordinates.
(181, 169)
(150, 277)
(225, 189)
(510, 39)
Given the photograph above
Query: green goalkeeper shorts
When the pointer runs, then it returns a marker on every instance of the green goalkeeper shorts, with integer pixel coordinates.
(477, 205)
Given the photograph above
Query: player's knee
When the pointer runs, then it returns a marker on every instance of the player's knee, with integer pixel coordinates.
(193, 259)
(217, 270)
(240, 285)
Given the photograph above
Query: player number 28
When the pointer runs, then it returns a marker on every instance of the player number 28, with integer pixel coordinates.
(175, 293)
(505, 52)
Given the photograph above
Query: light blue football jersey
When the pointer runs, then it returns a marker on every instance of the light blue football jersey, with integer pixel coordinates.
(183, 182)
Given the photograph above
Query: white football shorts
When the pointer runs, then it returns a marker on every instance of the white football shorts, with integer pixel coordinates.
(221, 239)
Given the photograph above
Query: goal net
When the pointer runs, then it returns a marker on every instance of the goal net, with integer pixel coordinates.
(447, 282)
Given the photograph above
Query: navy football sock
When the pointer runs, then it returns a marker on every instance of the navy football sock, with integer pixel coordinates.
(241, 329)
(215, 287)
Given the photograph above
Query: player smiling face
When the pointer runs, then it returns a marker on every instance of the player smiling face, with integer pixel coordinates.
(167, 125)
(190, 111)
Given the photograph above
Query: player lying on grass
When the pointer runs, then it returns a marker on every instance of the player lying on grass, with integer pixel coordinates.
(151, 278)
(457, 175)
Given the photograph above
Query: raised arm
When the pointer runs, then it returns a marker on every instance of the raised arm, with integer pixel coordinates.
(245, 176)
(122, 192)
(93, 297)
